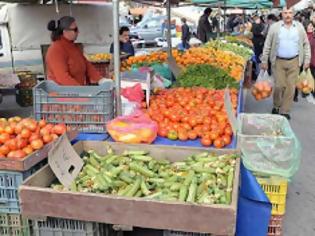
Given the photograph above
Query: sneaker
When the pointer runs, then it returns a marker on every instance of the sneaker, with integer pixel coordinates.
(275, 111)
(286, 116)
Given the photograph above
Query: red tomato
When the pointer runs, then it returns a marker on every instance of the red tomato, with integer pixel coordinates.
(4, 150)
(25, 133)
(9, 130)
(226, 139)
(162, 132)
(47, 138)
(42, 123)
(37, 144)
(4, 137)
(21, 143)
(228, 131)
(218, 143)
(28, 150)
(205, 141)
(192, 135)
(11, 144)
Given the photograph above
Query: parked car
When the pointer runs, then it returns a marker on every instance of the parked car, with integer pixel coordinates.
(151, 28)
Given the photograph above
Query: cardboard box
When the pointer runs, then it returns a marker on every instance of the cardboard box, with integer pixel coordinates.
(38, 200)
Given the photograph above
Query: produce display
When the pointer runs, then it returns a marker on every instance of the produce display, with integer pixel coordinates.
(206, 76)
(240, 50)
(203, 179)
(99, 57)
(242, 40)
(261, 90)
(191, 113)
(21, 137)
(230, 62)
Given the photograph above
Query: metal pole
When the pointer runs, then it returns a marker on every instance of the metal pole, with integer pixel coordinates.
(116, 55)
(169, 34)
(224, 17)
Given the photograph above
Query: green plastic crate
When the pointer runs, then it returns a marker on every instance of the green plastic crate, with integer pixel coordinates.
(14, 225)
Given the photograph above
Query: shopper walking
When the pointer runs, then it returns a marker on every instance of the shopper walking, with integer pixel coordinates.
(311, 38)
(288, 48)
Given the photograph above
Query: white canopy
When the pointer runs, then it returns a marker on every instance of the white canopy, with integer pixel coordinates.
(28, 24)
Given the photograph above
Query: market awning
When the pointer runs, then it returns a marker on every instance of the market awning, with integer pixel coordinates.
(246, 4)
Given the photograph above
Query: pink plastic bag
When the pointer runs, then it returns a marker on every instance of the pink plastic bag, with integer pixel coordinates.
(134, 93)
(136, 128)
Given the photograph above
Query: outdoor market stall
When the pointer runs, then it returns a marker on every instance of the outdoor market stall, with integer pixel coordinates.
(156, 186)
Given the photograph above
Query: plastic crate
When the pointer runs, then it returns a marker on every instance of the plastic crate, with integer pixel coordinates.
(102, 68)
(64, 227)
(9, 184)
(13, 225)
(276, 189)
(179, 233)
(275, 226)
(81, 108)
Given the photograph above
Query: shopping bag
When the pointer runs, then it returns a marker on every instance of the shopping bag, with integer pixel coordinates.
(305, 82)
(262, 89)
(135, 128)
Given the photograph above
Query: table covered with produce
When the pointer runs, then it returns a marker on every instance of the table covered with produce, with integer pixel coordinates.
(173, 164)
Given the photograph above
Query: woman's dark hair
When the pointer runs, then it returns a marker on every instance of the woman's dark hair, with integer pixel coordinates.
(123, 29)
(207, 11)
(58, 27)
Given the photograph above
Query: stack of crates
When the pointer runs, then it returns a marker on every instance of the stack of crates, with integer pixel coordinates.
(11, 221)
(276, 189)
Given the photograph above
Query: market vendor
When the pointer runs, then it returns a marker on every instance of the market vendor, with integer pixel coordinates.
(65, 62)
(126, 47)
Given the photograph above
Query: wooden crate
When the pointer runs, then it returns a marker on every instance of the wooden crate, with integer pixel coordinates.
(31, 160)
(38, 200)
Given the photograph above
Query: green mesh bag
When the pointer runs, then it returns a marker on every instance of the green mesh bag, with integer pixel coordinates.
(268, 144)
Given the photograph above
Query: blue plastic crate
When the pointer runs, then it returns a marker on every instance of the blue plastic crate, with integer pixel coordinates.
(9, 184)
(81, 108)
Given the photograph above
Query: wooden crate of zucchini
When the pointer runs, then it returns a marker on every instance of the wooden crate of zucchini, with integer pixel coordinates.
(159, 187)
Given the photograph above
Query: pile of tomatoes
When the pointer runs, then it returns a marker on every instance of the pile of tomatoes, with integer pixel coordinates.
(191, 113)
(21, 137)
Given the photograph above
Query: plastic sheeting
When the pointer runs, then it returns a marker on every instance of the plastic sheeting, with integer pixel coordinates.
(28, 24)
(268, 144)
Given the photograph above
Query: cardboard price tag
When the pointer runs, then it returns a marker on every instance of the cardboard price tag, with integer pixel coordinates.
(229, 110)
(64, 161)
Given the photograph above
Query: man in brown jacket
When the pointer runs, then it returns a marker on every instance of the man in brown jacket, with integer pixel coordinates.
(287, 47)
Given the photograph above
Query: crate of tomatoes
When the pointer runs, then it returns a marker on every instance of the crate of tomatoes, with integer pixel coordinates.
(26, 142)
(193, 114)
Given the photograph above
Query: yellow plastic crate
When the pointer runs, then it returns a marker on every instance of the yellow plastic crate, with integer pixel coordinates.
(276, 189)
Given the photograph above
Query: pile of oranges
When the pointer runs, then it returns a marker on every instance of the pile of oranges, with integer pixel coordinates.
(230, 62)
(191, 113)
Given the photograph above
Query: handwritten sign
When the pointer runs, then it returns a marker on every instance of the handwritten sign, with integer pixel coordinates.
(229, 110)
(64, 161)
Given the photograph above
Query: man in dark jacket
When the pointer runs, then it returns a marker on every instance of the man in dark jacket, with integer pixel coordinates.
(185, 34)
(204, 27)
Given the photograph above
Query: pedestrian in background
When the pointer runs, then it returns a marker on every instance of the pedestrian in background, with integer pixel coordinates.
(288, 48)
(185, 33)
(204, 28)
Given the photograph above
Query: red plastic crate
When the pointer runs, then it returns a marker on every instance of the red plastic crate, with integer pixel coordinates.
(275, 225)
